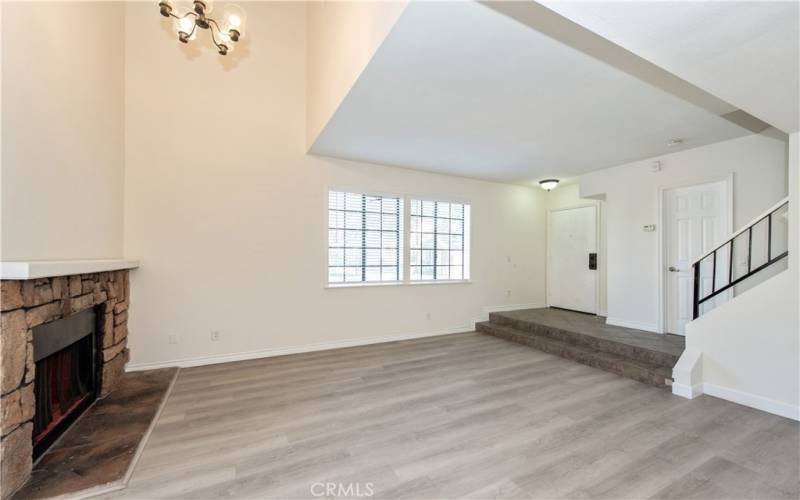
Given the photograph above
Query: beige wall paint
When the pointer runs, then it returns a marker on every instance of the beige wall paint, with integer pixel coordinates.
(342, 37)
(62, 130)
(228, 213)
(567, 196)
(631, 193)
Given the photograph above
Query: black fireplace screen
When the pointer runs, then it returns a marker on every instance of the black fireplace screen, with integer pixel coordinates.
(66, 378)
(63, 380)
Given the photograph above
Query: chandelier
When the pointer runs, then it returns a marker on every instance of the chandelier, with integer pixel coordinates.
(224, 33)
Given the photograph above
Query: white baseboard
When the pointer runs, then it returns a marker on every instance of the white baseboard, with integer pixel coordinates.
(509, 307)
(283, 351)
(753, 401)
(648, 327)
(687, 391)
(339, 344)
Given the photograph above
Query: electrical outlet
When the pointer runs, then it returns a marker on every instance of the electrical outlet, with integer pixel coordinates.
(215, 336)
(427, 315)
(172, 338)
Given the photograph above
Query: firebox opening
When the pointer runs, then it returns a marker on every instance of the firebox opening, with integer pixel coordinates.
(65, 352)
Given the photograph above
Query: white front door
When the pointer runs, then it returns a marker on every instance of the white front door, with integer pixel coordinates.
(696, 219)
(571, 239)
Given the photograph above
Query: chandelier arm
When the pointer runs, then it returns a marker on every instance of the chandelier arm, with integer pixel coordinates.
(194, 24)
(212, 22)
(189, 13)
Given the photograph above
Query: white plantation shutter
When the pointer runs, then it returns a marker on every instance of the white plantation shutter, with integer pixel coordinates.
(365, 235)
(439, 241)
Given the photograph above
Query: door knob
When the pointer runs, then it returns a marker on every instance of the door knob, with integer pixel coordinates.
(674, 269)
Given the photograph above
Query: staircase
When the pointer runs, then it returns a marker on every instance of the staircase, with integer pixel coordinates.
(635, 354)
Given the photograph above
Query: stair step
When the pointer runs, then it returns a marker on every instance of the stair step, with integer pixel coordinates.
(642, 371)
(639, 354)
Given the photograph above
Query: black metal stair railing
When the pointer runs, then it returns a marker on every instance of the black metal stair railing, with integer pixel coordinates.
(728, 252)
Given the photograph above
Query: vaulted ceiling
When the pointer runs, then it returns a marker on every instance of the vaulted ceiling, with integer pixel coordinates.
(747, 53)
(509, 92)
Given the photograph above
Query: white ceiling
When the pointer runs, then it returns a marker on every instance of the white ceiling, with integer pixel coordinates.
(460, 89)
(746, 53)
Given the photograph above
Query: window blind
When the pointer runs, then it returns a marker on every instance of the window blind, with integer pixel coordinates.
(439, 246)
(364, 238)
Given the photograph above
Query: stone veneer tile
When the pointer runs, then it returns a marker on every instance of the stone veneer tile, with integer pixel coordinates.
(11, 295)
(44, 313)
(36, 292)
(60, 287)
(13, 349)
(82, 302)
(17, 453)
(74, 286)
(17, 407)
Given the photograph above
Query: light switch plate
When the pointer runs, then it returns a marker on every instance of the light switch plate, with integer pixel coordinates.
(649, 228)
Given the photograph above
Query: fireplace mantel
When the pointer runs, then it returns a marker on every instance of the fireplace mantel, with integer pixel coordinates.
(33, 269)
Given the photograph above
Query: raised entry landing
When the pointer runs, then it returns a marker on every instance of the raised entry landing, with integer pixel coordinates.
(636, 354)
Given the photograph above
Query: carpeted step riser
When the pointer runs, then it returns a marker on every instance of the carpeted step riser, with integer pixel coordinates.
(632, 352)
(655, 376)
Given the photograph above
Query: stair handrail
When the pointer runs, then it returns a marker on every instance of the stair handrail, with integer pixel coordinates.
(763, 215)
(766, 215)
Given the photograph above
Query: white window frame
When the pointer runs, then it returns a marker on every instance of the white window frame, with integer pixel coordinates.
(401, 264)
(405, 269)
(466, 240)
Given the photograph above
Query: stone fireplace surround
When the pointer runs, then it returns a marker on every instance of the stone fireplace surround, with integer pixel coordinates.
(31, 302)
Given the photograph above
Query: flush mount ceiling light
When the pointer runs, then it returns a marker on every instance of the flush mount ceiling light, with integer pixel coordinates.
(548, 184)
(674, 142)
(223, 33)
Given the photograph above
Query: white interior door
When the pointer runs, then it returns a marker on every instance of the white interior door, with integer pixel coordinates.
(571, 238)
(696, 219)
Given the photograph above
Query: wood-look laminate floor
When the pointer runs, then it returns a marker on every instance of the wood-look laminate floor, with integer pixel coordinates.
(459, 416)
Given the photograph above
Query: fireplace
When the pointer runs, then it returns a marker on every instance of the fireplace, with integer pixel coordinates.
(64, 345)
(65, 353)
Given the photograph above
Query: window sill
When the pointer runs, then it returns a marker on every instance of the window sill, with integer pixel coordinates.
(439, 282)
(397, 283)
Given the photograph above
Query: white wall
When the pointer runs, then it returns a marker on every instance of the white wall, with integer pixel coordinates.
(758, 164)
(342, 38)
(794, 203)
(62, 130)
(748, 350)
(227, 213)
(567, 196)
